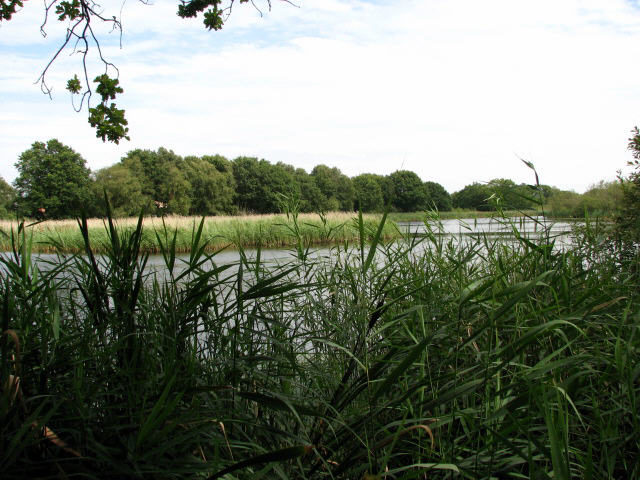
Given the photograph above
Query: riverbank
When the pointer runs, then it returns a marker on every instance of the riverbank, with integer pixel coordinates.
(267, 231)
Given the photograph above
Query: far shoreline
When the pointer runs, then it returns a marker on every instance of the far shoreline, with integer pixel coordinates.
(242, 231)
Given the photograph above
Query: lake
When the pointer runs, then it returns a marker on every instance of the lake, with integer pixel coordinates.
(462, 229)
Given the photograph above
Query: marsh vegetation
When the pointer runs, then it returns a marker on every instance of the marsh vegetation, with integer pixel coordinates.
(246, 231)
(420, 358)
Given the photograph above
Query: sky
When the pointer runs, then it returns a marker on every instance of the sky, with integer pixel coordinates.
(457, 91)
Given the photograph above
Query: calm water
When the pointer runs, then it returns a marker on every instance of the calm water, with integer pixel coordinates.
(489, 226)
(464, 230)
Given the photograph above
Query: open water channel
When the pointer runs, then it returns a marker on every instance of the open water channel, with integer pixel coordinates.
(460, 230)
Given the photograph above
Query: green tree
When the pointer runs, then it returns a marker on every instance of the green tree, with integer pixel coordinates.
(335, 186)
(565, 203)
(162, 177)
(222, 164)
(212, 190)
(250, 194)
(7, 197)
(123, 190)
(227, 184)
(311, 198)
(604, 198)
(473, 197)
(54, 177)
(409, 194)
(260, 184)
(386, 186)
(601, 199)
(437, 196)
(368, 192)
(508, 195)
(304, 189)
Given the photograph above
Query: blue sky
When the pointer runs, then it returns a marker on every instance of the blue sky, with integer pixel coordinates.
(455, 90)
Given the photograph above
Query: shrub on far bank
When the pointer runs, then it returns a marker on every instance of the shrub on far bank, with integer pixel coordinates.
(7, 197)
(603, 199)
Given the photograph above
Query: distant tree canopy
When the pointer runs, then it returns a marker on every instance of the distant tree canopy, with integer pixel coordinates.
(165, 183)
(212, 185)
(601, 199)
(260, 185)
(162, 182)
(437, 197)
(52, 177)
(7, 197)
(475, 197)
(336, 188)
(369, 195)
(409, 193)
(499, 193)
(311, 198)
(123, 189)
(162, 175)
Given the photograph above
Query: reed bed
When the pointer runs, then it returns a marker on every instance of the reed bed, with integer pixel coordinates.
(269, 231)
(428, 357)
(459, 213)
(245, 231)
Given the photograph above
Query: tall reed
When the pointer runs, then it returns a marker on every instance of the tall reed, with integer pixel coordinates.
(429, 357)
(268, 231)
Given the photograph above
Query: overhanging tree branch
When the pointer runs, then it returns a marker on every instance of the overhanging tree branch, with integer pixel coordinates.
(109, 121)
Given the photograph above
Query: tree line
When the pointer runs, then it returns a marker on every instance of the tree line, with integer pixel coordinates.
(54, 177)
(55, 182)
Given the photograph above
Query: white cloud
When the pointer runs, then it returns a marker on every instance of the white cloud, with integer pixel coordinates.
(453, 90)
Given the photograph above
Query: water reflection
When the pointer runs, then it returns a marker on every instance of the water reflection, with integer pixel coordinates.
(495, 226)
(463, 230)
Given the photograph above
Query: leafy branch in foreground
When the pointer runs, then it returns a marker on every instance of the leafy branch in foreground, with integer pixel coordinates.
(81, 37)
(109, 122)
(8, 8)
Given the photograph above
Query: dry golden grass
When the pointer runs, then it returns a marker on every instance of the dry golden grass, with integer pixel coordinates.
(219, 231)
(179, 221)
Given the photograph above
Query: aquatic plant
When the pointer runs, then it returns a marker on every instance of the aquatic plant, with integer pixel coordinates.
(429, 357)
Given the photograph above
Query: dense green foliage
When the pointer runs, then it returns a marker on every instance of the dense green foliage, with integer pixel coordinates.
(437, 197)
(628, 220)
(408, 191)
(212, 185)
(475, 196)
(336, 188)
(499, 193)
(368, 192)
(54, 177)
(7, 197)
(162, 175)
(488, 358)
(123, 189)
(602, 199)
(260, 185)
(162, 182)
